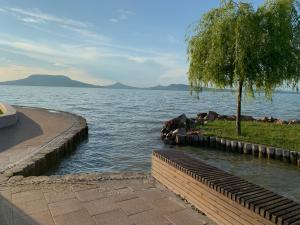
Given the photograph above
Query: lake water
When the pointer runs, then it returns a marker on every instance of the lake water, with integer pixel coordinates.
(124, 128)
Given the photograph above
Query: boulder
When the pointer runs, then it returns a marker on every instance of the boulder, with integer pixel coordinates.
(201, 115)
(179, 122)
(211, 116)
(164, 131)
(263, 119)
(294, 122)
(231, 118)
(222, 117)
(181, 131)
(280, 121)
(246, 118)
(190, 123)
(199, 121)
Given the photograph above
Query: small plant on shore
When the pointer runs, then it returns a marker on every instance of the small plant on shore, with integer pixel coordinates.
(237, 46)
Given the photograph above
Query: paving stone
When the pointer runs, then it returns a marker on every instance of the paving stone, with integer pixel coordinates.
(81, 187)
(134, 206)
(114, 217)
(142, 186)
(64, 207)
(151, 217)
(186, 217)
(52, 197)
(152, 195)
(57, 204)
(80, 217)
(123, 190)
(122, 197)
(42, 218)
(100, 206)
(90, 194)
(6, 194)
(168, 205)
(27, 196)
(30, 207)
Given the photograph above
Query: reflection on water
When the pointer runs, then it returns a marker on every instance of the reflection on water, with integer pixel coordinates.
(272, 174)
(125, 127)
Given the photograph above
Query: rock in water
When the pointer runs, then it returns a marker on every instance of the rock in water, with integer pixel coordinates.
(211, 116)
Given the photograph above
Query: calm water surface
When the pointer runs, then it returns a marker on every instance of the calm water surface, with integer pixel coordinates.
(125, 127)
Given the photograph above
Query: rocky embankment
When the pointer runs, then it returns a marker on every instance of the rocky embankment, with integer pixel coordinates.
(182, 125)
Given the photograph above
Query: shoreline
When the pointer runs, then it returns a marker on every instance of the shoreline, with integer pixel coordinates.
(183, 131)
(39, 140)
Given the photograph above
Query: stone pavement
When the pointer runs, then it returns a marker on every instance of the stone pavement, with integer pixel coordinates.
(93, 199)
(35, 128)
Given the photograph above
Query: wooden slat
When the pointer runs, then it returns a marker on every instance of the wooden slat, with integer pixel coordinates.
(232, 197)
(219, 200)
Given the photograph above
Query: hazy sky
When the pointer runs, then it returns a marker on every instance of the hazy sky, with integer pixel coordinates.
(137, 42)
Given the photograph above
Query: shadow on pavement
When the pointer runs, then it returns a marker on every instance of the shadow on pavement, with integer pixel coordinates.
(24, 130)
(12, 215)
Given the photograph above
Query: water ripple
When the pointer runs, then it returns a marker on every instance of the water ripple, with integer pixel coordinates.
(124, 128)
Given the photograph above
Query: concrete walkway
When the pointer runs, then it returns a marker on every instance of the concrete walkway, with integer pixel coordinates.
(35, 128)
(86, 199)
(102, 199)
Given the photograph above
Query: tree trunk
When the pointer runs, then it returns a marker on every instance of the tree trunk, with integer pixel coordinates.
(238, 111)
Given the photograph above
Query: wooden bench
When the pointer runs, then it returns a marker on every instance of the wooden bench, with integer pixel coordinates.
(225, 198)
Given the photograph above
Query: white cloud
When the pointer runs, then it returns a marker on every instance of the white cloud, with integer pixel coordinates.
(15, 71)
(113, 20)
(31, 20)
(126, 12)
(88, 34)
(174, 75)
(36, 18)
(64, 53)
(122, 14)
(137, 59)
(44, 17)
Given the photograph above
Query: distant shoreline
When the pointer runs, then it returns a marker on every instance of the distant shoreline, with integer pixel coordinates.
(64, 81)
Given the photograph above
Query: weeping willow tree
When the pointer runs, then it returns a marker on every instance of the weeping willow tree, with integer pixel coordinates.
(246, 49)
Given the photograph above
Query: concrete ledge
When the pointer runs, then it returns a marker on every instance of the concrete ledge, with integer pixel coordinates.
(50, 154)
(225, 198)
(9, 116)
(257, 150)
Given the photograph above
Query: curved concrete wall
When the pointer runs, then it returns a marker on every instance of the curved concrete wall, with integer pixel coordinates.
(9, 116)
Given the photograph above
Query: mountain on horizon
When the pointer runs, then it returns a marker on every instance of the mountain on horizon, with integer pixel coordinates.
(64, 81)
(119, 85)
(171, 87)
(48, 80)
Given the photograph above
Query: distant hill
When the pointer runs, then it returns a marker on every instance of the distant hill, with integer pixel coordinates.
(119, 85)
(171, 87)
(64, 81)
(49, 80)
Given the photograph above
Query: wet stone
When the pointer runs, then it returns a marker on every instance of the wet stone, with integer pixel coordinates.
(271, 152)
(247, 148)
(278, 153)
(255, 150)
(262, 151)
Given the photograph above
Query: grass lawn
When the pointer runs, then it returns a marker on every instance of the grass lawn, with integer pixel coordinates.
(276, 135)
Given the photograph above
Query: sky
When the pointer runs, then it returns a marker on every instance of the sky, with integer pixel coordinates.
(136, 42)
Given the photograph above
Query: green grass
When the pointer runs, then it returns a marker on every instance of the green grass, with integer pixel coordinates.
(276, 135)
(1, 112)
